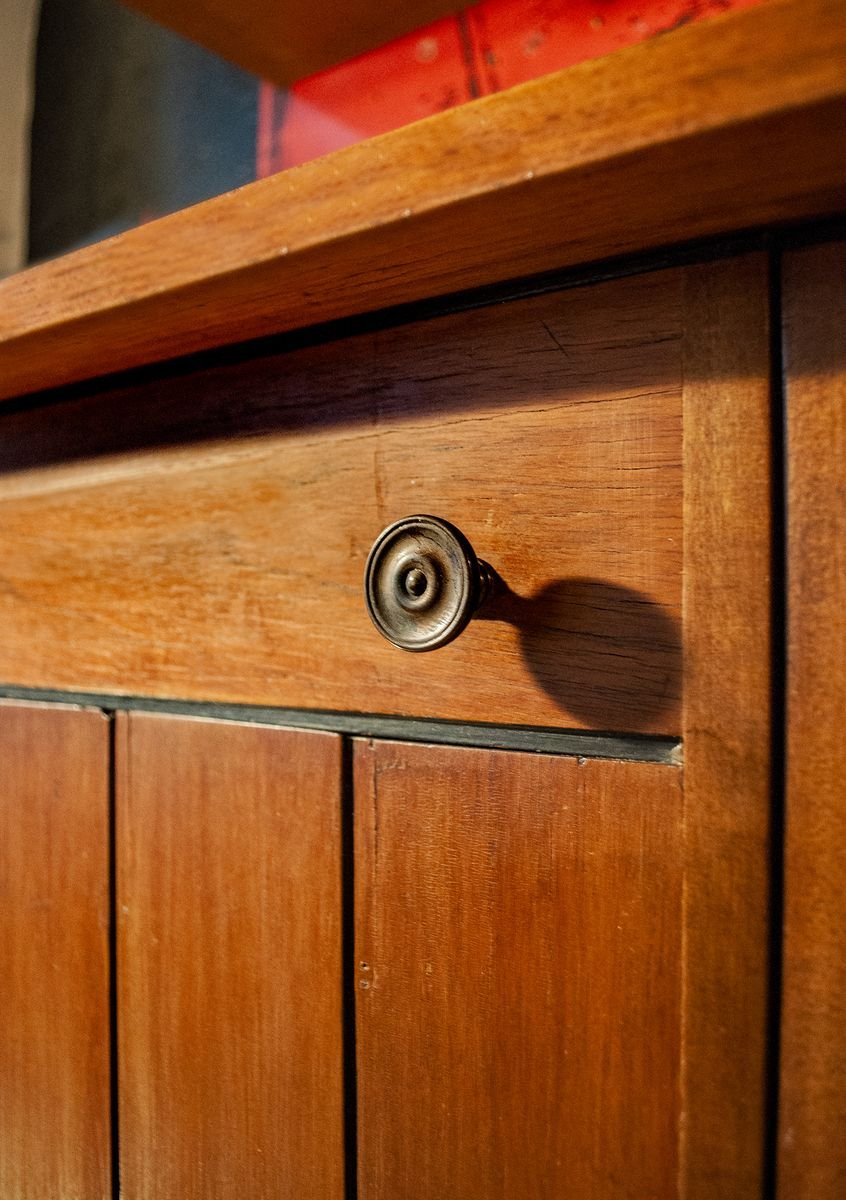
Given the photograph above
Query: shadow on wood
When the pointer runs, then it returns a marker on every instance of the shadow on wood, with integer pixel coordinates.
(607, 655)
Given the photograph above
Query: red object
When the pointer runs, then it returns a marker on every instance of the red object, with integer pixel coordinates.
(394, 85)
(487, 48)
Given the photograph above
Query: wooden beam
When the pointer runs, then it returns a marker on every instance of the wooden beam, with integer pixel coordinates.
(728, 124)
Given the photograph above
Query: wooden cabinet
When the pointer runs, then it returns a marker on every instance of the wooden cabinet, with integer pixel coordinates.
(358, 954)
(555, 910)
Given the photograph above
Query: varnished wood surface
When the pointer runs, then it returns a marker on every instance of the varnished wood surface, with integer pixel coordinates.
(214, 546)
(284, 42)
(519, 940)
(721, 125)
(229, 961)
(812, 1146)
(727, 725)
(54, 982)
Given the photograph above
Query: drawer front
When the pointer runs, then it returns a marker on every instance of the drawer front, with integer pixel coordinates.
(204, 536)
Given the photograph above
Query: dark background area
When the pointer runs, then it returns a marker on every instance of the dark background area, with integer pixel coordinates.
(130, 122)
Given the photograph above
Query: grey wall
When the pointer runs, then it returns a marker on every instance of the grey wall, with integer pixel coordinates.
(130, 122)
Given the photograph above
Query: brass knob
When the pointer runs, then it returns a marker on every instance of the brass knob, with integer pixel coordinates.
(423, 583)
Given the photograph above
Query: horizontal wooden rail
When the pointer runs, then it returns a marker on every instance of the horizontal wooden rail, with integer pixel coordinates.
(728, 124)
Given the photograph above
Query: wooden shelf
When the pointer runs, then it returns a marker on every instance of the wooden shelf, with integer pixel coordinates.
(285, 41)
(723, 125)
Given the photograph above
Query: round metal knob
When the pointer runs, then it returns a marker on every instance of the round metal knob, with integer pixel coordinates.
(423, 583)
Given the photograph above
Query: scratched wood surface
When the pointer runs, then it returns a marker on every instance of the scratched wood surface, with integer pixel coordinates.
(518, 952)
(213, 547)
(727, 729)
(812, 1147)
(55, 1124)
(718, 126)
(229, 969)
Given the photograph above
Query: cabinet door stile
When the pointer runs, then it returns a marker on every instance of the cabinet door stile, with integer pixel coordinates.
(727, 727)
(812, 1145)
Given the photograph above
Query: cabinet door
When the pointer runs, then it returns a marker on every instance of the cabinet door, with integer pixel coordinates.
(54, 981)
(229, 959)
(519, 991)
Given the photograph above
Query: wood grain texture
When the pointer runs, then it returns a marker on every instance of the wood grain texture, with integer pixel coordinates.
(518, 949)
(229, 960)
(285, 42)
(721, 125)
(54, 983)
(214, 547)
(812, 1147)
(727, 462)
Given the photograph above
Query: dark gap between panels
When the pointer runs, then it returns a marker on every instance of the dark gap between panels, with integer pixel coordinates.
(581, 743)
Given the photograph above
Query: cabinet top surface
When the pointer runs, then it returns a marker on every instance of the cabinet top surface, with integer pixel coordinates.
(726, 125)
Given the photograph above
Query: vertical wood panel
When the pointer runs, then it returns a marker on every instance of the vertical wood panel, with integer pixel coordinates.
(54, 986)
(812, 1135)
(229, 961)
(518, 946)
(727, 463)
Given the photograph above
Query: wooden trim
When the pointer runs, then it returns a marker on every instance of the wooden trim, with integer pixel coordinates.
(722, 125)
(812, 1149)
(726, 727)
(285, 42)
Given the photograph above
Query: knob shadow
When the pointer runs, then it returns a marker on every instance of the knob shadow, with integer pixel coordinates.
(607, 655)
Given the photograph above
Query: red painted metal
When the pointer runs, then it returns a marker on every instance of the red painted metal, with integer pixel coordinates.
(487, 48)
